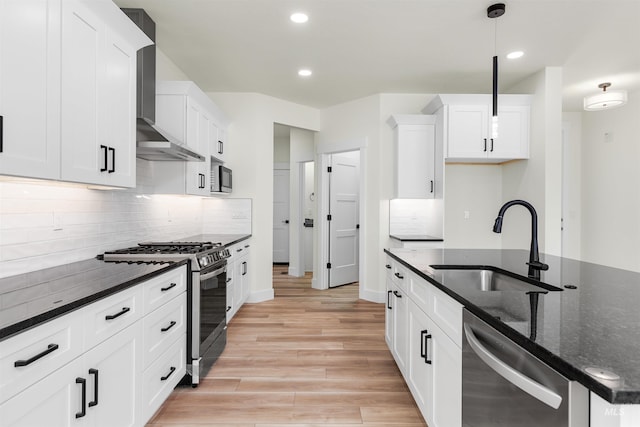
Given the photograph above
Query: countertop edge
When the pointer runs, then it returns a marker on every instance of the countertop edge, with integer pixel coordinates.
(555, 362)
(415, 239)
(241, 239)
(25, 325)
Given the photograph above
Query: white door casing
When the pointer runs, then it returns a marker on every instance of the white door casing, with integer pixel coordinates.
(280, 215)
(344, 210)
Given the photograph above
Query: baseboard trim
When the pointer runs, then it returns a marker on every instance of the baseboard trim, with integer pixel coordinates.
(260, 296)
(373, 296)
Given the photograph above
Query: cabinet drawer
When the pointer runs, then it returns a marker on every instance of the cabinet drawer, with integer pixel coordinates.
(163, 327)
(400, 275)
(109, 316)
(162, 289)
(447, 314)
(41, 351)
(420, 291)
(162, 376)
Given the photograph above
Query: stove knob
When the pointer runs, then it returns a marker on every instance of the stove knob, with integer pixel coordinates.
(203, 261)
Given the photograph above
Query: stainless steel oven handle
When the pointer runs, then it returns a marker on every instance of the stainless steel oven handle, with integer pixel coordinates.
(214, 273)
(521, 381)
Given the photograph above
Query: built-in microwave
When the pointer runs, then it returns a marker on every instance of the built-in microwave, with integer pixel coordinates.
(221, 179)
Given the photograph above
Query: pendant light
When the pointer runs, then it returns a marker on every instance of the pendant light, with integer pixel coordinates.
(605, 100)
(495, 11)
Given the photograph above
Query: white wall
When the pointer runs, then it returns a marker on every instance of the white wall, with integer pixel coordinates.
(250, 155)
(610, 194)
(539, 179)
(572, 185)
(301, 149)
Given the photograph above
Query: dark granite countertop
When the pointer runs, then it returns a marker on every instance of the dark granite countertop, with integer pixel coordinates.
(30, 299)
(224, 239)
(416, 238)
(596, 324)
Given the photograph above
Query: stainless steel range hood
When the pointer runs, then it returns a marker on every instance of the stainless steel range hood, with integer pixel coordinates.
(152, 142)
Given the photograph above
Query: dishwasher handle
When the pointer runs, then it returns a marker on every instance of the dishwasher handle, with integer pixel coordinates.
(524, 383)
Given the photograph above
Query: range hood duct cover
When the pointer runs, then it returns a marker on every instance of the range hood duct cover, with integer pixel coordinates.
(152, 142)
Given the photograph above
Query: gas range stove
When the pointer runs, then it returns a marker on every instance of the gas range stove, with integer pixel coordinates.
(201, 254)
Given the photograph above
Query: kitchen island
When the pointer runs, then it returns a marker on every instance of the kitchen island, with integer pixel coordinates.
(592, 322)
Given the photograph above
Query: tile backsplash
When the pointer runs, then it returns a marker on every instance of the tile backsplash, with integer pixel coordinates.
(47, 224)
(416, 217)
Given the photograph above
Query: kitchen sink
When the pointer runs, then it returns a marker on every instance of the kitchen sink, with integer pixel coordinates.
(486, 279)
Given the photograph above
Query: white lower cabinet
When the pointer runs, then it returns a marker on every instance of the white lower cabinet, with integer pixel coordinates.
(429, 359)
(97, 389)
(238, 278)
(111, 363)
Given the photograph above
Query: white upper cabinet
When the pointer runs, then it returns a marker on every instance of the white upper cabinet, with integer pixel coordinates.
(467, 131)
(98, 97)
(29, 92)
(418, 173)
(187, 113)
(67, 90)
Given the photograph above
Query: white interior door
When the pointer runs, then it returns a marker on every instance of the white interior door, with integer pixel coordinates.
(344, 210)
(280, 216)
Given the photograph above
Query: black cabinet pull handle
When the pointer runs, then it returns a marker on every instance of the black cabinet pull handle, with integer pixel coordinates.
(485, 145)
(220, 147)
(83, 411)
(228, 308)
(104, 148)
(118, 314)
(246, 246)
(388, 302)
(50, 349)
(239, 250)
(171, 371)
(1, 133)
(432, 186)
(244, 268)
(171, 325)
(228, 279)
(399, 276)
(94, 372)
(397, 294)
(388, 266)
(424, 345)
(171, 286)
(113, 160)
(491, 145)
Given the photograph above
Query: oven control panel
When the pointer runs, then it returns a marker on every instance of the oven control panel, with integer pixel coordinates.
(213, 257)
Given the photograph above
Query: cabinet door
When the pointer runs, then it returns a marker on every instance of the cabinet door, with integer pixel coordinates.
(52, 402)
(119, 112)
(30, 88)
(232, 280)
(420, 369)
(388, 318)
(198, 130)
(468, 131)
(83, 159)
(415, 162)
(446, 399)
(513, 133)
(221, 145)
(400, 328)
(246, 279)
(113, 372)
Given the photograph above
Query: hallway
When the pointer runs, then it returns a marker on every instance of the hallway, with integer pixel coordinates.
(307, 358)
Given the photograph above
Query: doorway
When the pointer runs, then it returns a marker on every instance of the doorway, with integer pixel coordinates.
(281, 214)
(343, 217)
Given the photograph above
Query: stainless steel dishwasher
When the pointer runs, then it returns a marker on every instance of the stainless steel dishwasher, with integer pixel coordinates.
(503, 385)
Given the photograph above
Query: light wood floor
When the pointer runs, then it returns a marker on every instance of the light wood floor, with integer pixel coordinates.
(307, 358)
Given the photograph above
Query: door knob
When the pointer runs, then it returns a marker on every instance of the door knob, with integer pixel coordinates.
(286, 221)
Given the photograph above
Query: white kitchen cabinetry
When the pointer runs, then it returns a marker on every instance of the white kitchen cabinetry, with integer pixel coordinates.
(29, 88)
(420, 324)
(238, 277)
(466, 127)
(97, 366)
(68, 91)
(418, 159)
(188, 114)
(397, 319)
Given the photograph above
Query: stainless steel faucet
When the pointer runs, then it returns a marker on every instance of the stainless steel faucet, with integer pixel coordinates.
(534, 257)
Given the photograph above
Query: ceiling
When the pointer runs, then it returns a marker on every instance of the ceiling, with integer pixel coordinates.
(360, 47)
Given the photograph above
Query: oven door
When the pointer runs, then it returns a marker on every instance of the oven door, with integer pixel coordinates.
(212, 323)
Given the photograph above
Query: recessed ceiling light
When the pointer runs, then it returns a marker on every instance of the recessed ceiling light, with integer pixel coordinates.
(304, 72)
(299, 18)
(515, 55)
